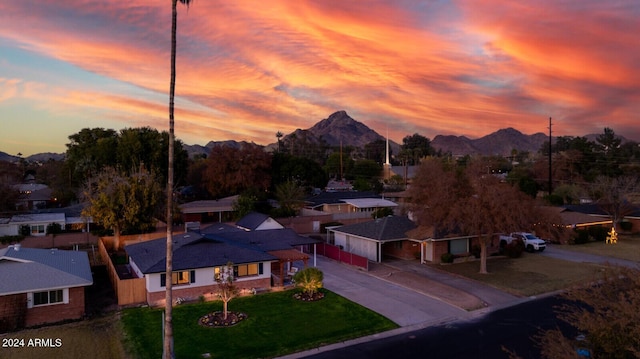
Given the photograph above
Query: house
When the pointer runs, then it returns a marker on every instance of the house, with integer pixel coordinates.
(433, 245)
(375, 239)
(40, 286)
(261, 259)
(208, 211)
(33, 196)
(36, 223)
(255, 221)
(348, 205)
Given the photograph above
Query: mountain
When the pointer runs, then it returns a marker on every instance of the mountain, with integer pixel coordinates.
(198, 150)
(38, 157)
(499, 143)
(338, 128)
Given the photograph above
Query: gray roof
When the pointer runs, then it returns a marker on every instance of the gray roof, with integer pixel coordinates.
(338, 197)
(252, 220)
(32, 269)
(381, 229)
(215, 246)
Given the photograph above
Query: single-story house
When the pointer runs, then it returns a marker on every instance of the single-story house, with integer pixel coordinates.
(39, 286)
(375, 239)
(347, 205)
(37, 223)
(208, 211)
(256, 221)
(261, 259)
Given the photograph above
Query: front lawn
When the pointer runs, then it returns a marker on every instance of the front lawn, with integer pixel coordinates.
(277, 324)
(628, 247)
(528, 275)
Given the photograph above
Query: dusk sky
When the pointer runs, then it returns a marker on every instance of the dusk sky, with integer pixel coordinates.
(247, 69)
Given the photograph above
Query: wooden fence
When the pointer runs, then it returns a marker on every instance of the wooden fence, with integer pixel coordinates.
(128, 291)
(334, 252)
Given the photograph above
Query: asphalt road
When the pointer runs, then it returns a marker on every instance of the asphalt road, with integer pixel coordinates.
(485, 337)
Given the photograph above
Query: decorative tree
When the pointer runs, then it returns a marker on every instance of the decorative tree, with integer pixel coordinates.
(309, 280)
(226, 287)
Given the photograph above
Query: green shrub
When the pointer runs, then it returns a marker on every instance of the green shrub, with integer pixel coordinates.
(514, 249)
(11, 239)
(447, 258)
(309, 280)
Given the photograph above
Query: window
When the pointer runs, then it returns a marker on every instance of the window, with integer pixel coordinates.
(245, 270)
(459, 246)
(48, 297)
(37, 229)
(179, 278)
(397, 245)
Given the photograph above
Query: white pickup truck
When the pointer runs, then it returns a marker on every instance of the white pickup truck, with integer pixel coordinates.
(531, 242)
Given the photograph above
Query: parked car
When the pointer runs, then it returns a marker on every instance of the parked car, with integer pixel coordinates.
(531, 242)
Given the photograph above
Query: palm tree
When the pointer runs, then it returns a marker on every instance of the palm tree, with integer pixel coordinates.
(167, 349)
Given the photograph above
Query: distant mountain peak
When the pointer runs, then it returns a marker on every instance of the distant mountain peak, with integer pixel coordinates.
(339, 127)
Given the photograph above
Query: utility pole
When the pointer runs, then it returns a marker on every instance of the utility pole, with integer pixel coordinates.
(550, 177)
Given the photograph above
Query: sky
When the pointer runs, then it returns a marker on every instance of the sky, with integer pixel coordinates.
(248, 69)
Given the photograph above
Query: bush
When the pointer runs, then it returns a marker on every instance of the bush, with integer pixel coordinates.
(582, 236)
(514, 249)
(447, 258)
(476, 250)
(11, 239)
(309, 280)
(598, 233)
(626, 226)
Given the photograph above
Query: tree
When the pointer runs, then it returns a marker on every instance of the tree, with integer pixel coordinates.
(304, 171)
(278, 137)
(614, 196)
(122, 203)
(416, 147)
(233, 170)
(227, 290)
(290, 198)
(167, 347)
(89, 151)
(469, 202)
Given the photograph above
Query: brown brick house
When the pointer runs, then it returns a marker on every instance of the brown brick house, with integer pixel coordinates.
(40, 286)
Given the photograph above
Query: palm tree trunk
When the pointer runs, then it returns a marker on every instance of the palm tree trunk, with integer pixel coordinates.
(167, 349)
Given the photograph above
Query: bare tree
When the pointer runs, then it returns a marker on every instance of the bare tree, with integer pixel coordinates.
(605, 314)
(616, 196)
(226, 288)
(469, 202)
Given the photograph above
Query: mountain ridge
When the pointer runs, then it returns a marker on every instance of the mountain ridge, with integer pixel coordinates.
(339, 128)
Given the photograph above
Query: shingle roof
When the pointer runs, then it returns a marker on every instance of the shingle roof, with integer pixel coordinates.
(216, 246)
(381, 229)
(31, 269)
(252, 220)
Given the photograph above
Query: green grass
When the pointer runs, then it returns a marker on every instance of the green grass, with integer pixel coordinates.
(277, 324)
(528, 275)
(628, 247)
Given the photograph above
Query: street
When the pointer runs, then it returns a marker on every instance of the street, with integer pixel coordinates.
(512, 327)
